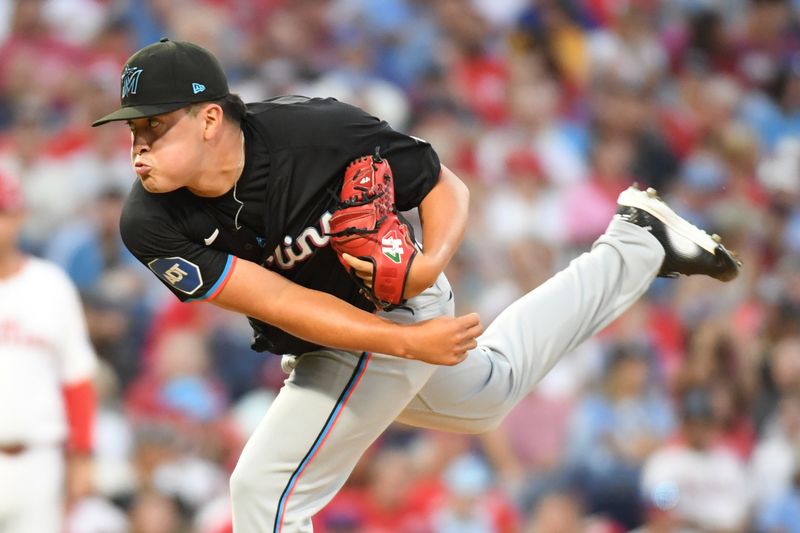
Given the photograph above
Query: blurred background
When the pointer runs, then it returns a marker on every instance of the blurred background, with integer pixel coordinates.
(684, 415)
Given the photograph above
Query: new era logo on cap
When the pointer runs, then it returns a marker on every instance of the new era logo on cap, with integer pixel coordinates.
(198, 88)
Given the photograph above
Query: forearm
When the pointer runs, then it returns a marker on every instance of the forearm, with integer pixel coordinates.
(337, 324)
(328, 321)
(310, 315)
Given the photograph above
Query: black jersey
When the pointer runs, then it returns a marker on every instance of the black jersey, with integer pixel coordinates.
(278, 213)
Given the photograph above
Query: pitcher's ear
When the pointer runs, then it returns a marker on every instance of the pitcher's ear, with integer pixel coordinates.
(212, 116)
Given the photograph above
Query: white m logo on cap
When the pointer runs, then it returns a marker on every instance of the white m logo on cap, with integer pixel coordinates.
(130, 80)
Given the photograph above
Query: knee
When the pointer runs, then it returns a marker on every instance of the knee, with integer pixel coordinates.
(243, 484)
(252, 486)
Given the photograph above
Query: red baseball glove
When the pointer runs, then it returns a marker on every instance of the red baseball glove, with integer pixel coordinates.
(366, 225)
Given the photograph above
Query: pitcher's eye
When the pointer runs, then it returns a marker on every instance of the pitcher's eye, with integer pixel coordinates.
(154, 122)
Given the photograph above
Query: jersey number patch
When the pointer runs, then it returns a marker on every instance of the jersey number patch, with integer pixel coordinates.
(178, 272)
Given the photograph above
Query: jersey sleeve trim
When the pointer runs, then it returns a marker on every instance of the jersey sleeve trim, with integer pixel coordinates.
(220, 283)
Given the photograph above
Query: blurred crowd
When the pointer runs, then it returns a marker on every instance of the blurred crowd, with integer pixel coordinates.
(684, 415)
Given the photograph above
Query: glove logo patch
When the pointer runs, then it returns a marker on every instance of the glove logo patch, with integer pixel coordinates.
(178, 272)
(392, 246)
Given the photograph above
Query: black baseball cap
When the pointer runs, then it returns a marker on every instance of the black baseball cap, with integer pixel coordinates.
(166, 76)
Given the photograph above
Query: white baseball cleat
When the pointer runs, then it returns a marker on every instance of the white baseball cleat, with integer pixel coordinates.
(688, 249)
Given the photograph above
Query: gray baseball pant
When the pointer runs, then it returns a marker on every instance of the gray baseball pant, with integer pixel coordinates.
(336, 403)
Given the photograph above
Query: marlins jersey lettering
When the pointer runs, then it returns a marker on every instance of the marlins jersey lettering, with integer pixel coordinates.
(278, 214)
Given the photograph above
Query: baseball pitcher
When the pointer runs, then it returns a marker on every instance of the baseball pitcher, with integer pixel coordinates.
(287, 211)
